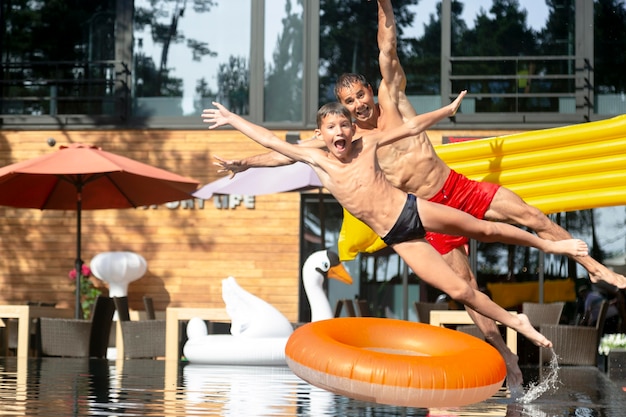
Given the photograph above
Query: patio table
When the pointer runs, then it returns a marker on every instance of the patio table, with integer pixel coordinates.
(24, 314)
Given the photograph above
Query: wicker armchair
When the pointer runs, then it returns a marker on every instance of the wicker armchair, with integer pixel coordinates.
(77, 337)
(543, 313)
(363, 308)
(471, 329)
(149, 306)
(142, 338)
(574, 345)
(348, 304)
(423, 310)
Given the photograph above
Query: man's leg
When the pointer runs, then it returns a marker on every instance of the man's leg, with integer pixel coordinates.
(458, 261)
(510, 208)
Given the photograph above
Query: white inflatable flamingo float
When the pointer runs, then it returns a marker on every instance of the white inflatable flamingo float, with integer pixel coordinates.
(259, 332)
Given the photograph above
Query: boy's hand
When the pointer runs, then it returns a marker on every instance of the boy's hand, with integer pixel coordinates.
(217, 116)
(231, 166)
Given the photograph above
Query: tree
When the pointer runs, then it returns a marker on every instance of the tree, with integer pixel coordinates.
(424, 57)
(285, 70)
(233, 81)
(167, 32)
(610, 44)
(348, 40)
(492, 37)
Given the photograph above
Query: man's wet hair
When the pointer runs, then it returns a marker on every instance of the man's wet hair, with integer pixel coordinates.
(331, 109)
(348, 79)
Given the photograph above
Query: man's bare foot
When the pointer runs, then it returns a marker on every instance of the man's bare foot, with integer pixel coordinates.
(531, 333)
(569, 247)
(514, 377)
(602, 273)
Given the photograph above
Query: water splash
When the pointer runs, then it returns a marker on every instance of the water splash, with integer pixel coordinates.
(549, 382)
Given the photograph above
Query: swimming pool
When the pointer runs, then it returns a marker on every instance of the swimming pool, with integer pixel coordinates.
(83, 387)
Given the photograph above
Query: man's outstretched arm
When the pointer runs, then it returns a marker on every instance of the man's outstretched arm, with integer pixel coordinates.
(268, 159)
(392, 89)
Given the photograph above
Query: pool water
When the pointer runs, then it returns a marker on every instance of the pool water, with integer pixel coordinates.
(96, 387)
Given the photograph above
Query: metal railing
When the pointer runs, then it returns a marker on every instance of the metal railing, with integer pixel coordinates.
(524, 84)
(94, 89)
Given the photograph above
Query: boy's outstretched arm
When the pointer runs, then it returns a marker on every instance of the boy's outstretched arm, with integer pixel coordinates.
(220, 116)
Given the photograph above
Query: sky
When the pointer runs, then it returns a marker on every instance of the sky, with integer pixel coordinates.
(537, 13)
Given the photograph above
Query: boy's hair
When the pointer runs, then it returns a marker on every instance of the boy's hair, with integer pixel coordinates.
(348, 79)
(330, 109)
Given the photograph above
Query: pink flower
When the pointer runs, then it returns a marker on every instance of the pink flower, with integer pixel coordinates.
(85, 272)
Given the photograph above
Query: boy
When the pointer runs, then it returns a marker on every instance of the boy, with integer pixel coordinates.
(349, 170)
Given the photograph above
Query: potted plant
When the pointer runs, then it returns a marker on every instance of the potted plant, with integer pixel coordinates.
(613, 346)
(88, 291)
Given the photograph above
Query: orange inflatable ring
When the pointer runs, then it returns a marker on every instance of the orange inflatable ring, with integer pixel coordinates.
(395, 362)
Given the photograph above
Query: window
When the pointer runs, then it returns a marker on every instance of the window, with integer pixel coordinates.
(185, 57)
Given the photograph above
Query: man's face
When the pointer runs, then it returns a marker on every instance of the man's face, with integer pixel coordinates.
(336, 131)
(359, 99)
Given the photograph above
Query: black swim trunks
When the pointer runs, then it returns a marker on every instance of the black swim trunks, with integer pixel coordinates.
(408, 226)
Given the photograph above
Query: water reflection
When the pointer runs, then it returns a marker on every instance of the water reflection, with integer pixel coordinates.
(81, 387)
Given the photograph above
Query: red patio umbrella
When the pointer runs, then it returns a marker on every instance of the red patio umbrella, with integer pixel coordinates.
(84, 177)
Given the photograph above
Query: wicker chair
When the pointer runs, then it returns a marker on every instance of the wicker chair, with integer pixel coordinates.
(574, 345)
(471, 329)
(423, 310)
(76, 337)
(149, 306)
(543, 313)
(348, 304)
(142, 338)
(363, 308)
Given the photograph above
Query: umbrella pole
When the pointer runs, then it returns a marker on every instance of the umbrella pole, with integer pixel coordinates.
(79, 262)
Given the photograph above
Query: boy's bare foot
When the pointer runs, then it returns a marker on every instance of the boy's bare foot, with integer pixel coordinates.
(531, 333)
(569, 247)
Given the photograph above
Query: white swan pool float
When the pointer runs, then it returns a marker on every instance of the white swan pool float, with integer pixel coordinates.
(259, 332)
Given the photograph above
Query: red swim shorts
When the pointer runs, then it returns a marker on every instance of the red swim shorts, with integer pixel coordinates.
(472, 197)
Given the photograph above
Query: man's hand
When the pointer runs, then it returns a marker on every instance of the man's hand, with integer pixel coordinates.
(230, 166)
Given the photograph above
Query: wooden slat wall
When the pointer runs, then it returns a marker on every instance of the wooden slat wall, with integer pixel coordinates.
(188, 250)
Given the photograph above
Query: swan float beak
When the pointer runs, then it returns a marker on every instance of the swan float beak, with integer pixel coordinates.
(340, 273)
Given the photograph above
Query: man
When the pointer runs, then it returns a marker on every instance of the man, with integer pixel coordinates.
(413, 166)
(348, 168)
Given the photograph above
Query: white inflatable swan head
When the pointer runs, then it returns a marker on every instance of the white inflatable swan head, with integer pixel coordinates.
(319, 266)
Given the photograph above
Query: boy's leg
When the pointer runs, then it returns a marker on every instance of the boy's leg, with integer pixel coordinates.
(458, 261)
(430, 266)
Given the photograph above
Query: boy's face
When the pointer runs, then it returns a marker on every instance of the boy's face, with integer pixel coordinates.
(336, 131)
(359, 99)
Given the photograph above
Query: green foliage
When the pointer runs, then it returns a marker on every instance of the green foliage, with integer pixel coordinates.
(610, 46)
(233, 80)
(89, 293)
(286, 70)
